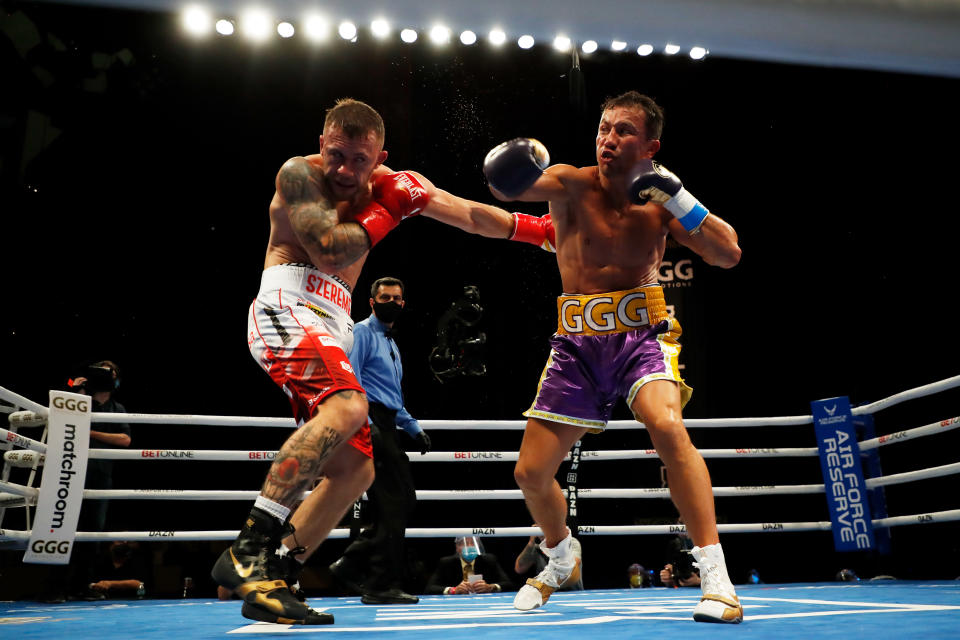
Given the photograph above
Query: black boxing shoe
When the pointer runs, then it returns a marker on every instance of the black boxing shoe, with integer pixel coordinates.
(252, 569)
(292, 570)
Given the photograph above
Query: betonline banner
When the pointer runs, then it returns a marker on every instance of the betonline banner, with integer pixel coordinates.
(61, 489)
(842, 474)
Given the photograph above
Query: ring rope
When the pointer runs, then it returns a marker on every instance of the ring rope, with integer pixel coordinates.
(19, 489)
(910, 476)
(9, 535)
(226, 455)
(19, 401)
(502, 494)
(917, 432)
(910, 394)
(481, 425)
(23, 493)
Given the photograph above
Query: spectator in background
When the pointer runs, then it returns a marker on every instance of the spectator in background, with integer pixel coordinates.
(469, 570)
(532, 561)
(100, 381)
(122, 572)
(680, 570)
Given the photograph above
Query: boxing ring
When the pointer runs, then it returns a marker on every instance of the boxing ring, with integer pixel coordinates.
(930, 608)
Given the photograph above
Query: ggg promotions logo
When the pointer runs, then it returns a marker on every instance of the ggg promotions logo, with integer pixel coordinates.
(61, 489)
(676, 274)
(83, 406)
(50, 547)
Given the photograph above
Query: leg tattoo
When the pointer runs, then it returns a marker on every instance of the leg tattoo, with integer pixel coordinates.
(299, 462)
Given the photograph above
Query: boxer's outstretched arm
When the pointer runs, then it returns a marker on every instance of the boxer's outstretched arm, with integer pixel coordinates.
(330, 243)
(715, 241)
(472, 217)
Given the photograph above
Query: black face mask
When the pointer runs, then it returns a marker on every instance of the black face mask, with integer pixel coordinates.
(121, 552)
(387, 312)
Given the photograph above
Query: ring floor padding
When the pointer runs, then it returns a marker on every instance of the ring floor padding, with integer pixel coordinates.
(873, 610)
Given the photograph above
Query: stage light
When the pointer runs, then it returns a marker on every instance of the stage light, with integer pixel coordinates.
(256, 24)
(224, 27)
(645, 49)
(440, 34)
(698, 53)
(408, 35)
(197, 21)
(497, 37)
(316, 27)
(468, 38)
(562, 43)
(347, 30)
(618, 45)
(525, 42)
(380, 28)
(671, 49)
(589, 46)
(285, 30)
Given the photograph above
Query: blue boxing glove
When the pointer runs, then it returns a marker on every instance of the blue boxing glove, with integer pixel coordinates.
(512, 167)
(650, 181)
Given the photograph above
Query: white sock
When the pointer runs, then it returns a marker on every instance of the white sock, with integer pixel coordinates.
(275, 509)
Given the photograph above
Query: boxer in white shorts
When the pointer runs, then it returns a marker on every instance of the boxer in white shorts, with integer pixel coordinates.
(329, 210)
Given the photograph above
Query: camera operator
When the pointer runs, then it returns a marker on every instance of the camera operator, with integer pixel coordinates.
(679, 570)
(100, 381)
(459, 340)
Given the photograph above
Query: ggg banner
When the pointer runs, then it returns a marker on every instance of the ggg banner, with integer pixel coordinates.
(843, 474)
(61, 489)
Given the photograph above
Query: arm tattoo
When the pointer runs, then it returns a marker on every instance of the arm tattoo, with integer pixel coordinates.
(315, 219)
(299, 462)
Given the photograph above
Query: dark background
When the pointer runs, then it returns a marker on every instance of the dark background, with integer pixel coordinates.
(137, 166)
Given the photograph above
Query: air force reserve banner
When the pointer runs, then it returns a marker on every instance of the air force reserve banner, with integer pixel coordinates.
(846, 492)
(61, 489)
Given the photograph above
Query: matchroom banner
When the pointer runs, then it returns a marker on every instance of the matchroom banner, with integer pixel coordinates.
(61, 489)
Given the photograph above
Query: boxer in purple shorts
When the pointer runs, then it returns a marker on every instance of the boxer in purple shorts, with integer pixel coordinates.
(587, 373)
(608, 224)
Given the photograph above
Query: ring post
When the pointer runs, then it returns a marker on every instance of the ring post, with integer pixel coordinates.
(61, 488)
(572, 473)
(877, 495)
(842, 474)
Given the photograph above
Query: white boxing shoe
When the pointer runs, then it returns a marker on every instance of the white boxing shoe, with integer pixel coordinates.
(719, 602)
(563, 568)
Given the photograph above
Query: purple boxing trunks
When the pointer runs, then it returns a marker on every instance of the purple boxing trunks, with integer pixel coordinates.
(607, 346)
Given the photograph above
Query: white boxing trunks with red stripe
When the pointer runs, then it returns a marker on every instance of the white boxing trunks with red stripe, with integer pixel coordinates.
(299, 330)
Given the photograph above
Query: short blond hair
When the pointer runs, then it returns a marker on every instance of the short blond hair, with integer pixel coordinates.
(356, 119)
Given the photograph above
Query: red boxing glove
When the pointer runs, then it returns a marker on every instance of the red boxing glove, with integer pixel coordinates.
(376, 221)
(401, 193)
(396, 196)
(538, 231)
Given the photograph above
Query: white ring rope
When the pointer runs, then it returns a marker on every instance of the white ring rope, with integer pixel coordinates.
(19, 401)
(226, 455)
(484, 425)
(442, 494)
(8, 535)
(15, 493)
(910, 394)
(918, 432)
